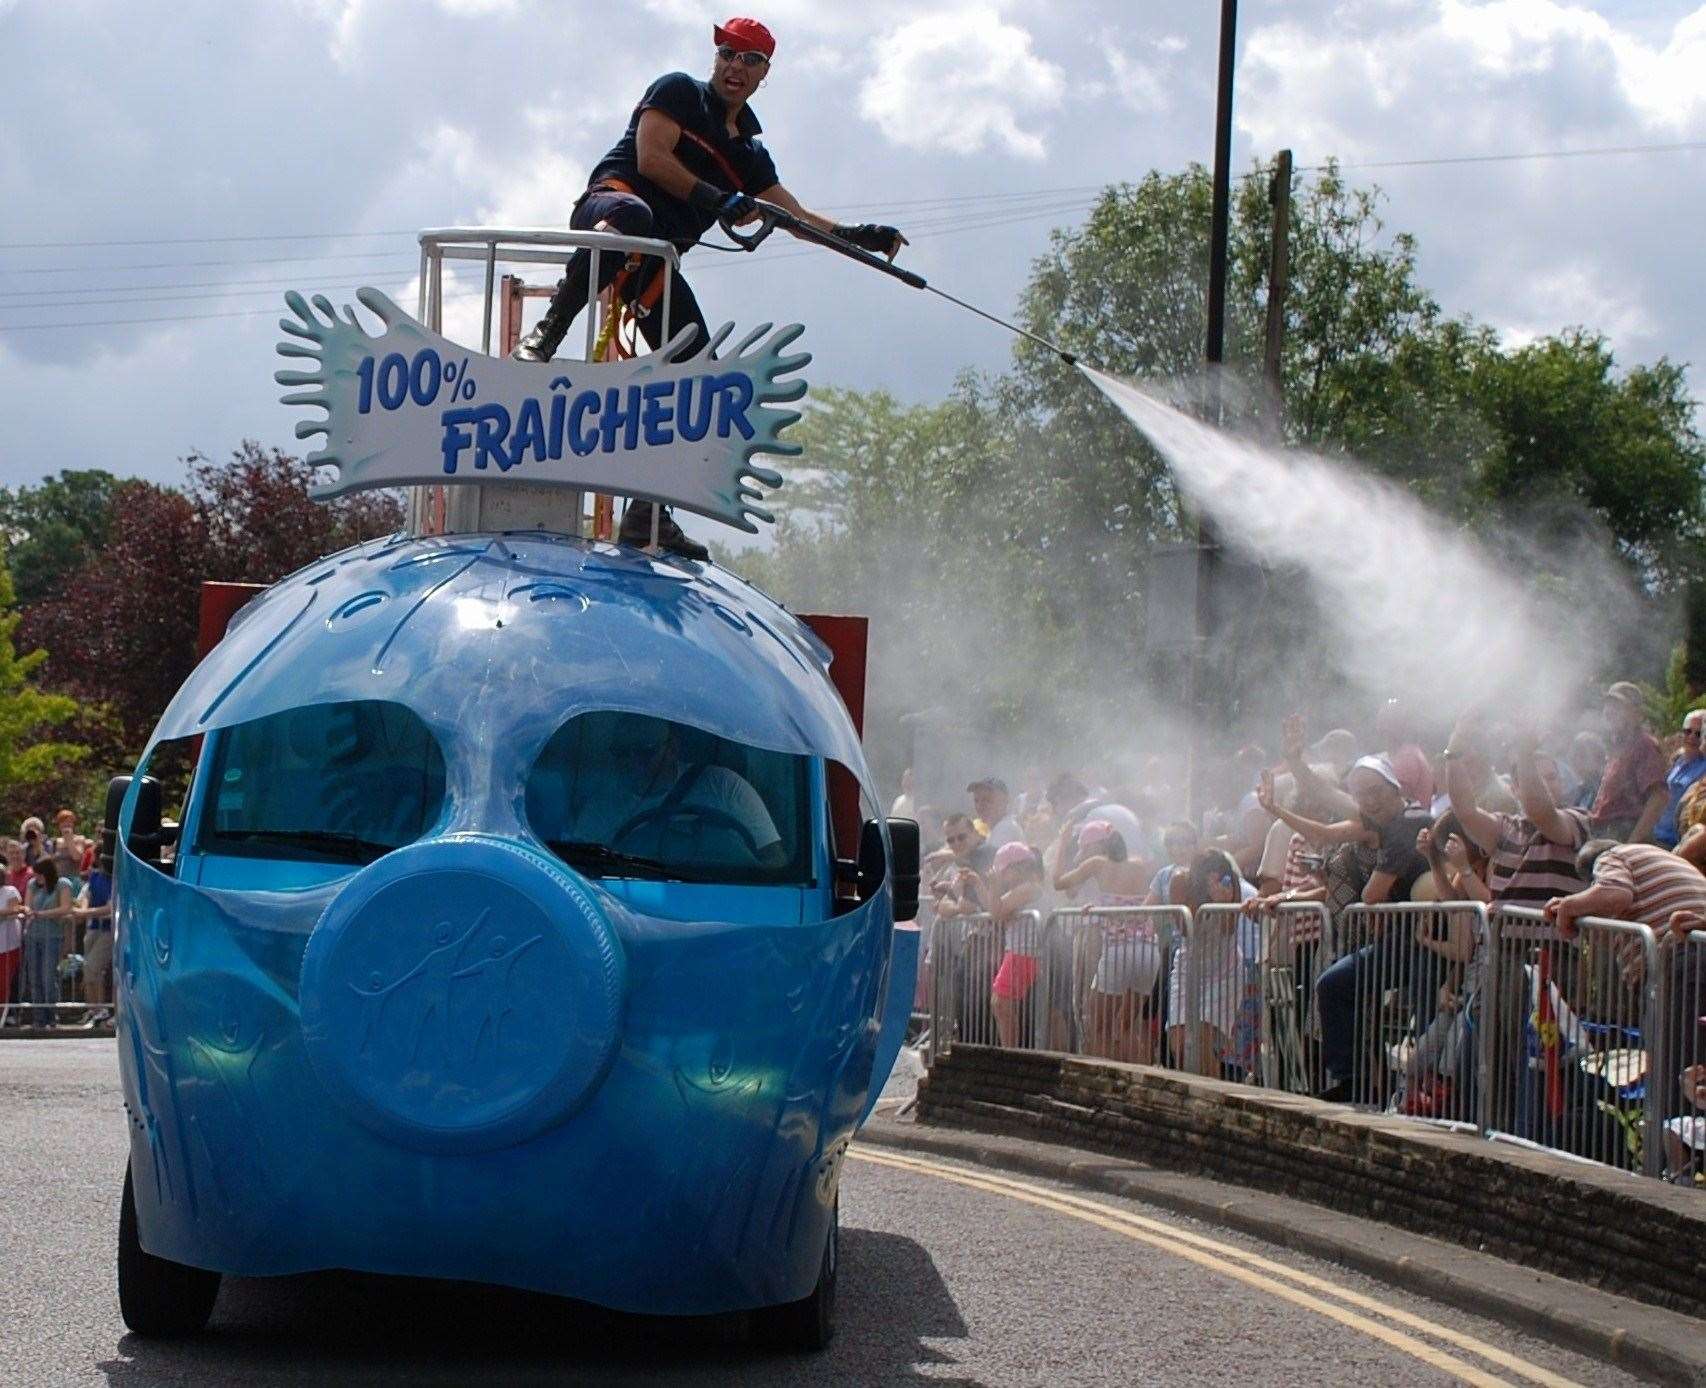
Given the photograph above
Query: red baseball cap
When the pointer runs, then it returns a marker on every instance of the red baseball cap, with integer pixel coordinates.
(748, 35)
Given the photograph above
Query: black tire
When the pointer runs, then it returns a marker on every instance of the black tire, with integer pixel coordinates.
(157, 1296)
(808, 1325)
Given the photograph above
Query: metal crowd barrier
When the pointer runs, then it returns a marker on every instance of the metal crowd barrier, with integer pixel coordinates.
(1217, 1023)
(1397, 1009)
(968, 955)
(1592, 1046)
(1678, 1103)
(1573, 1045)
(1301, 943)
(1117, 961)
(54, 1016)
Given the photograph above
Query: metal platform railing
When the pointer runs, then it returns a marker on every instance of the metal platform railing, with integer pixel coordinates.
(513, 506)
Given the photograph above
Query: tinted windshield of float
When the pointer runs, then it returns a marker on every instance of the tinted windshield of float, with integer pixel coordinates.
(614, 795)
(335, 783)
(627, 795)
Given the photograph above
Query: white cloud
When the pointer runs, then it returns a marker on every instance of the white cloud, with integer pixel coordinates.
(1530, 246)
(1136, 84)
(961, 81)
(1580, 295)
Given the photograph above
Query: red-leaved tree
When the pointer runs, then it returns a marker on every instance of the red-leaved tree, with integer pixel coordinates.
(121, 631)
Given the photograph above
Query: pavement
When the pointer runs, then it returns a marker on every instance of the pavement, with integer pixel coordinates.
(956, 1269)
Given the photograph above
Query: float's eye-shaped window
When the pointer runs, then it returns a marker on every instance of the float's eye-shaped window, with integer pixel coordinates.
(338, 783)
(626, 795)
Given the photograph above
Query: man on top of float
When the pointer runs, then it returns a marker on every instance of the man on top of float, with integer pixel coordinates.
(689, 156)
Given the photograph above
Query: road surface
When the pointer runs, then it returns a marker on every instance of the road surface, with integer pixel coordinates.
(950, 1275)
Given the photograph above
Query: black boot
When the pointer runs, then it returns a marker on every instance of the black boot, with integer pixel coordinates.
(636, 530)
(542, 343)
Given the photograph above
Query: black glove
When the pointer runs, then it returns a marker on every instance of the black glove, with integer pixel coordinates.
(734, 207)
(707, 197)
(869, 236)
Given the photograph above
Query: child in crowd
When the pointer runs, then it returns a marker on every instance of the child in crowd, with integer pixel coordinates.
(1014, 885)
(11, 936)
(1225, 947)
(1130, 963)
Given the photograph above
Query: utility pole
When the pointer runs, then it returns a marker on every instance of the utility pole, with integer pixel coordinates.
(1216, 346)
(1279, 278)
(1197, 701)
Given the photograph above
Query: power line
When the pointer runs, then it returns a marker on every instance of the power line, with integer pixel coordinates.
(393, 262)
(197, 264)
(67, 296)
(982, 221)
(924, 229)
(944, 200)
(317, 287)
(1514, 158)
(176, 318)
(199, 240)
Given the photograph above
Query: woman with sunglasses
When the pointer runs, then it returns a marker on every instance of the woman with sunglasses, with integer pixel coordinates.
(1687, 766)
(690, 156)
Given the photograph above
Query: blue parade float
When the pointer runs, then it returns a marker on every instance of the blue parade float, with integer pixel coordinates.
(527, 919)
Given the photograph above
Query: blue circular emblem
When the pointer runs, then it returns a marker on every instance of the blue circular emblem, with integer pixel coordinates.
(462, 994)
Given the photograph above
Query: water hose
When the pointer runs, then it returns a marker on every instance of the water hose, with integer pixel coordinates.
(771, 216)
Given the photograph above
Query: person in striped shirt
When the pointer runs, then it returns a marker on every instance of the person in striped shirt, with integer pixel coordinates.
(1641, 882)
(1531, 857)
(1630, 882)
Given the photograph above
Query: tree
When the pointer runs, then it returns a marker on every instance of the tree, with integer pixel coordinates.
(27, 757)
(53, 527)
(260, 523)
(125, 636)
(1569, 432)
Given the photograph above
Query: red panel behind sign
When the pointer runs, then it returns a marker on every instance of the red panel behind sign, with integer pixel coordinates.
(219, 604)
(847, 638)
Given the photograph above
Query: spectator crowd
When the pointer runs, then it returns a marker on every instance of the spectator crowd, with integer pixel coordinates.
(56, 926)
(1607, 822)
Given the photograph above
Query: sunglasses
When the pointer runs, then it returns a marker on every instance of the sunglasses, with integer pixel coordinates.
(1691, 732)
(752, 58)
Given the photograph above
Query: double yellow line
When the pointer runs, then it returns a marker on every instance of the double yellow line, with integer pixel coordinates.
(1303, 1289)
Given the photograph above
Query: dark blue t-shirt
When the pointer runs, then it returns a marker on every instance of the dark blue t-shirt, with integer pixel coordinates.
(738, 164)
(100, 891)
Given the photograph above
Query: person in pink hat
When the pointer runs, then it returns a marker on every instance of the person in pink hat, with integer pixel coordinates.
(1014, 886)
(690, 157)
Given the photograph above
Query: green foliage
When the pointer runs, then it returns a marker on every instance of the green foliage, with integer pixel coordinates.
(53, 527)
(1571, 434)
(1667, 703)
(27, 756)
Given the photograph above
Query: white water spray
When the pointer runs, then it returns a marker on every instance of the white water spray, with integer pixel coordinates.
(1418, 608)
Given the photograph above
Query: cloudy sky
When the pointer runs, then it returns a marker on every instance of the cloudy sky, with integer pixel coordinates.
(184, 163)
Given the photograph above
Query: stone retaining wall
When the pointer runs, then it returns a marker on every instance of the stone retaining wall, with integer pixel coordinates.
(1629, 1235)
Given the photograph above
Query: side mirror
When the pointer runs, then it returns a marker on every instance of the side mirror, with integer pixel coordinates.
(117, 788)
(144, 837)
(903, 871)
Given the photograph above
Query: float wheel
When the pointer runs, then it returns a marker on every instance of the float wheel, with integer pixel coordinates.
(157, 1296)
(806, 1326)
